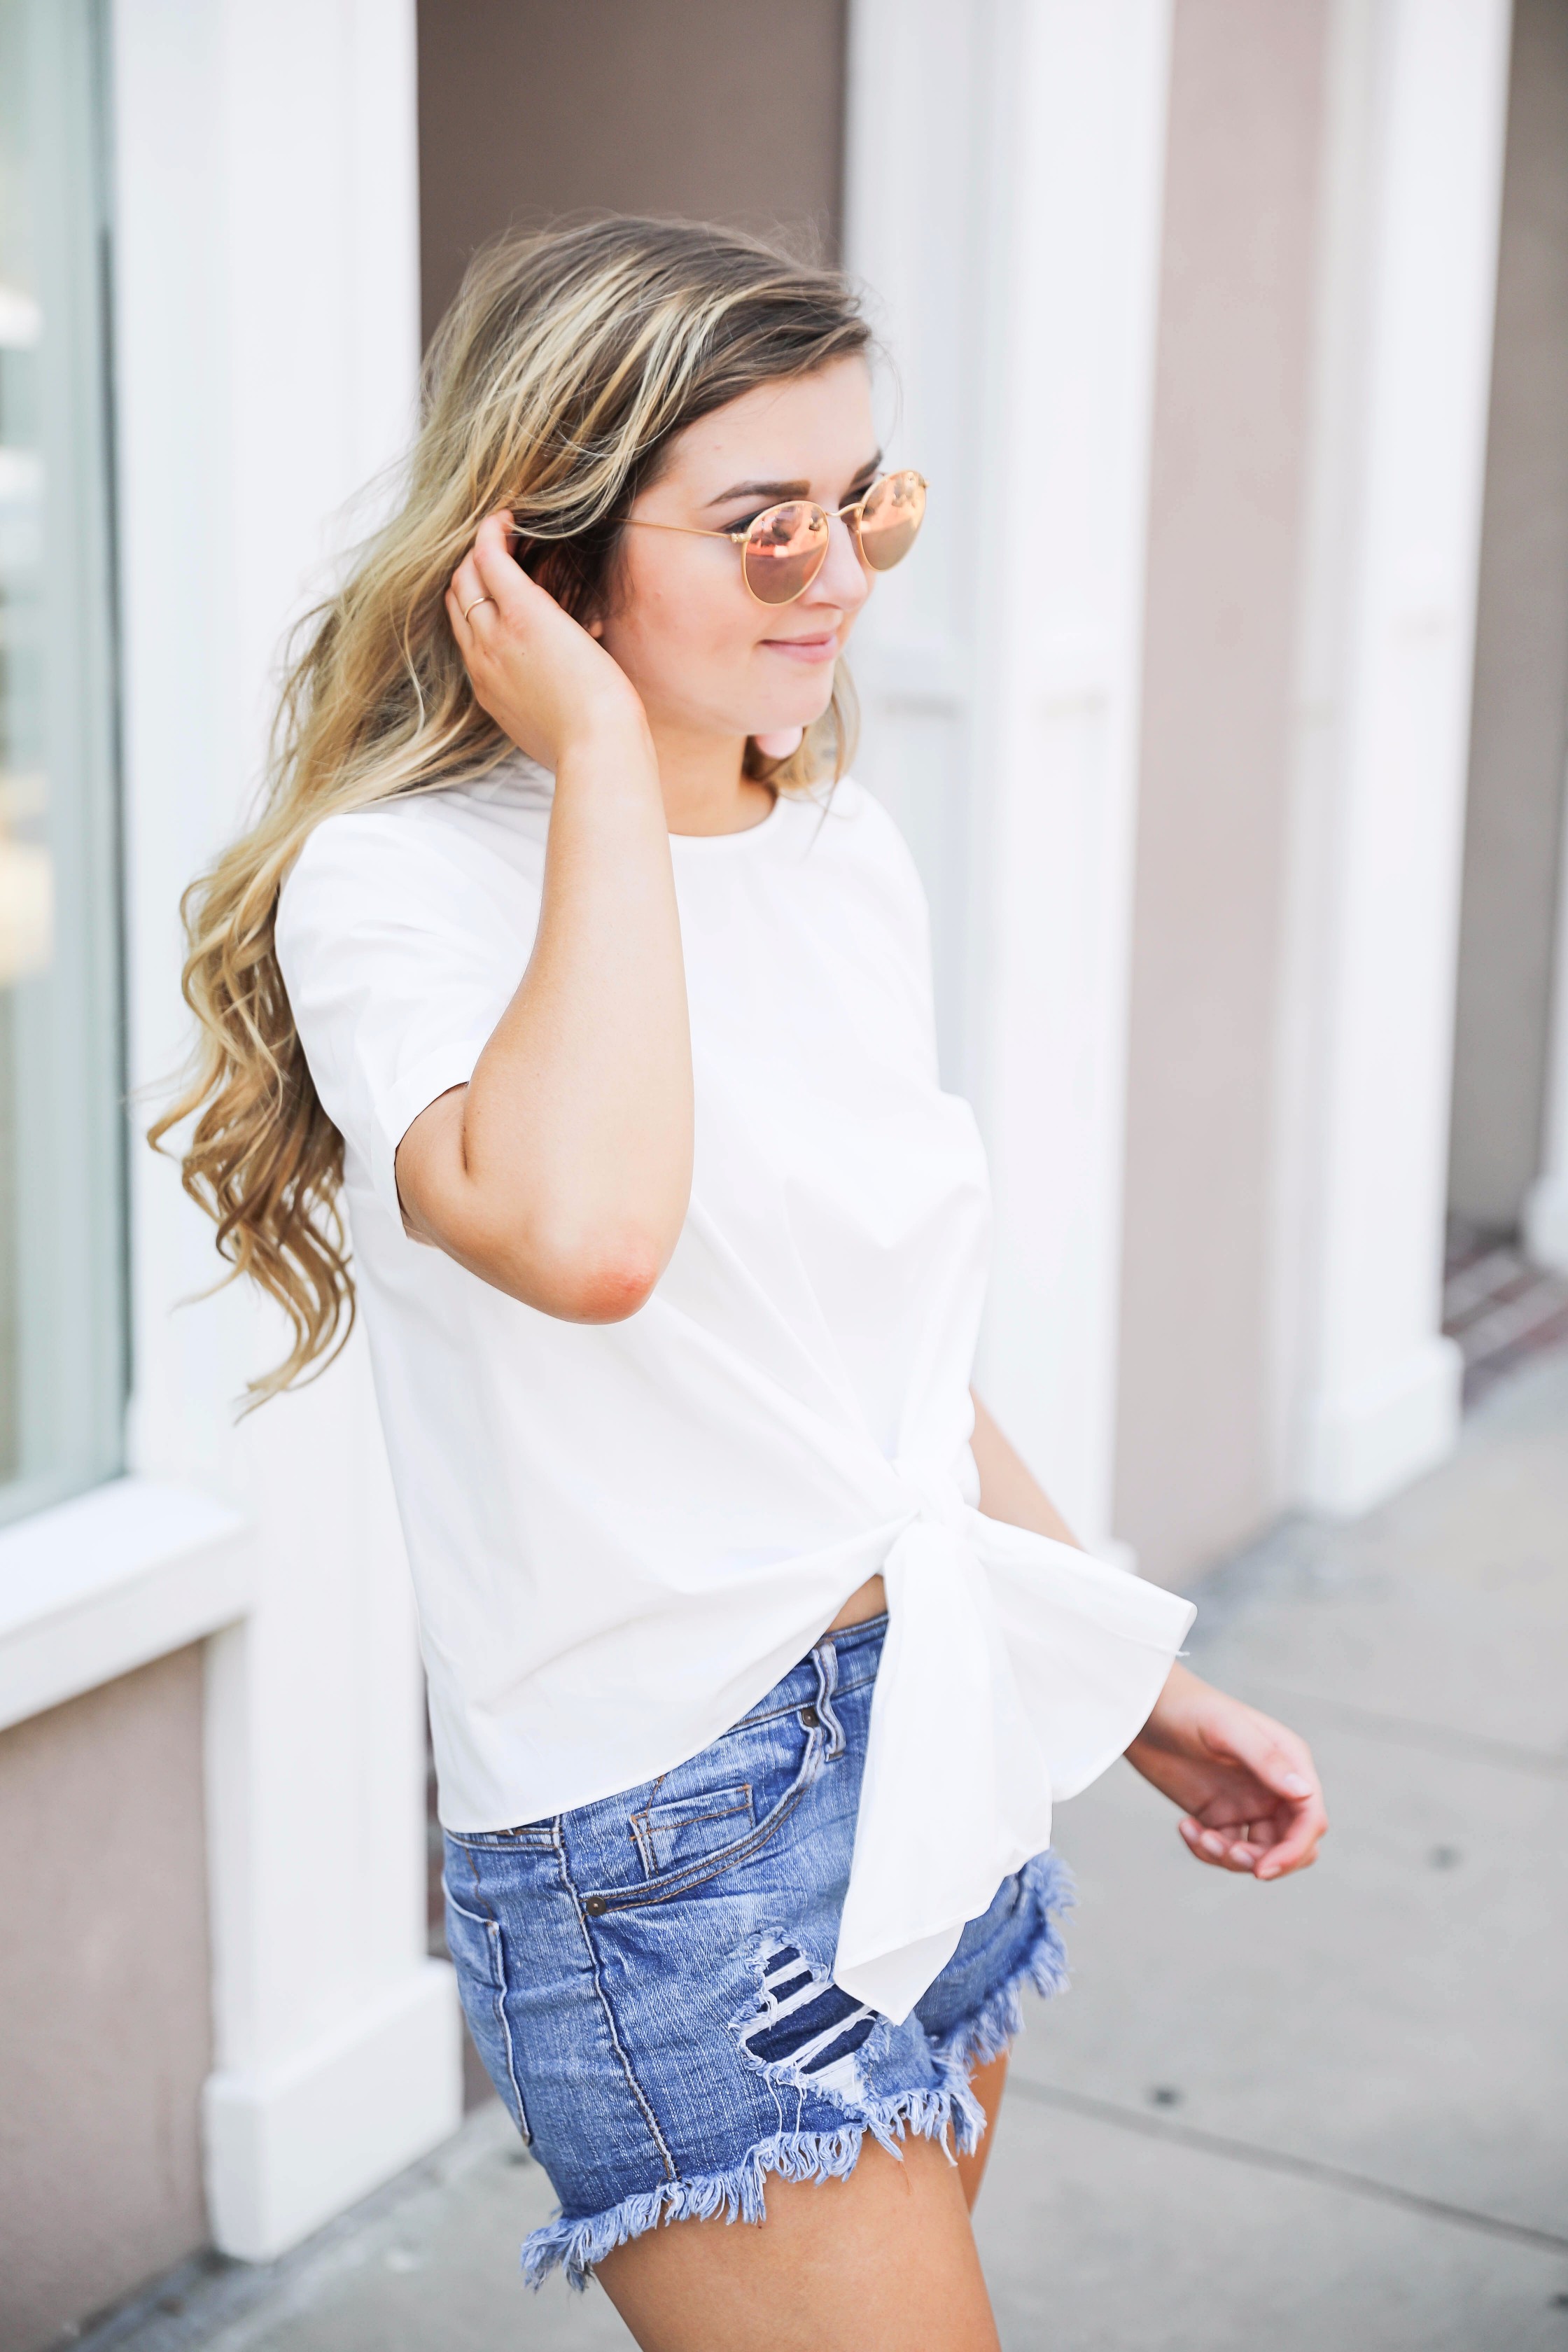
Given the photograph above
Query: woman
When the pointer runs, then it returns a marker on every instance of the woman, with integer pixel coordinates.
(756, 1653)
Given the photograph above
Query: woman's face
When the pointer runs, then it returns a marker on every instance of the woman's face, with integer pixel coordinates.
(706, 658)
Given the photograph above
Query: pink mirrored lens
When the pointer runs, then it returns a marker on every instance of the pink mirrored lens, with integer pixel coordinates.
(890, 520)
(784, 551)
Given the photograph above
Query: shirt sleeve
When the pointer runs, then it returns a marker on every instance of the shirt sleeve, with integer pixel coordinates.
(398, 962)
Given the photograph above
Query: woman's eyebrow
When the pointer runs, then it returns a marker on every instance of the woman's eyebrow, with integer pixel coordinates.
(779, 490)
(761, 490)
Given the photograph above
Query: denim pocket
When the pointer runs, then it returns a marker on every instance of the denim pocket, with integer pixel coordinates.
(682, 1830)
(478, 1956)
(704, 1818)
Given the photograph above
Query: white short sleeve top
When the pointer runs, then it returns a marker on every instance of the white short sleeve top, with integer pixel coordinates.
(622, 1535)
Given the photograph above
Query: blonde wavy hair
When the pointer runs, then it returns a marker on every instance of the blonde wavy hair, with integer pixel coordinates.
(560, 374)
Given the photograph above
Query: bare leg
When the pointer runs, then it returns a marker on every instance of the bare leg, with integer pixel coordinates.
(884, 2261)
(885, 2258)
(986, 2083)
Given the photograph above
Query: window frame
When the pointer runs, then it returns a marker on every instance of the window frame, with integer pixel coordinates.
(71, 1348)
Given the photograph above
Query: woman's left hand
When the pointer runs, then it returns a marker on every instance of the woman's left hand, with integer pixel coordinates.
(1248, 1786)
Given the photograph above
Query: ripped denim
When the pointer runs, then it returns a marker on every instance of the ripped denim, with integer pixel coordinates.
(648, 1978)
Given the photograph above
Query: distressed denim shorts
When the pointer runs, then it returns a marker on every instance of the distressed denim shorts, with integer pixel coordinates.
(648, 1978)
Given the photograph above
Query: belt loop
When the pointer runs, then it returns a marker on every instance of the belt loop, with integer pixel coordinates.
(824, 1658)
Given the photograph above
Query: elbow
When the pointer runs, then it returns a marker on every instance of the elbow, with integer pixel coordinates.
(577, 1276)
(609, 1286)
(595, 1277)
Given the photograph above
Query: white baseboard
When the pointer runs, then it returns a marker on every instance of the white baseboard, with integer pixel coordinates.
(1365, 1443)
(1546, 1223)
(289, 2148)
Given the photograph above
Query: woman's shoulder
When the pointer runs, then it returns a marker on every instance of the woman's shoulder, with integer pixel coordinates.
(457, 872)
(850, 819)
(458, 838)
(848, 826)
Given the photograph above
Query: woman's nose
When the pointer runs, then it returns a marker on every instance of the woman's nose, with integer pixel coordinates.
(843, 579)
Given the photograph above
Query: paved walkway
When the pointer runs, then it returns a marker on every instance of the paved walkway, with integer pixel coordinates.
(1326, 2116)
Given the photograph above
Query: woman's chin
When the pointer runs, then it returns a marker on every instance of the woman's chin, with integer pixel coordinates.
(800, 711)
(778, 742)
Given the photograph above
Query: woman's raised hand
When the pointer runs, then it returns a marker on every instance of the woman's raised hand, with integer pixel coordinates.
(545, 681)
(561, 1172)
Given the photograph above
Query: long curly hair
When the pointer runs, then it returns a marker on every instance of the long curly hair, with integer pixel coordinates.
(564, 368)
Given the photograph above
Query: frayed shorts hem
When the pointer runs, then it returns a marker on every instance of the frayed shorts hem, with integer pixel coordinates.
(947, 2112)
(736, 2193)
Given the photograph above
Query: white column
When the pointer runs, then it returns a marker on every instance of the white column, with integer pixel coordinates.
(1006, 177)
(1546, 1211)
(1405, 337)
(916, 222)
(267, 327)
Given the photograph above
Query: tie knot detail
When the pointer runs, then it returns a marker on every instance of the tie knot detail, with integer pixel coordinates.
(936, 1491)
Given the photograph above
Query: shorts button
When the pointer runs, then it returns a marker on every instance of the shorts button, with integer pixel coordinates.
(596, 1905)
(810, 1718)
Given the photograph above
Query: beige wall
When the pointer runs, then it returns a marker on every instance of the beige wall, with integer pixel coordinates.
(1237, 274)
(713, 109)
(1519, 727)
(104, 2036)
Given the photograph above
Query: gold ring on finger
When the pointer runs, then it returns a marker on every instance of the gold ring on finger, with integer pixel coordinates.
(474, 607)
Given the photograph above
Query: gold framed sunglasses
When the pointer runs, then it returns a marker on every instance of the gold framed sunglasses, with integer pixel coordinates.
(785, 548)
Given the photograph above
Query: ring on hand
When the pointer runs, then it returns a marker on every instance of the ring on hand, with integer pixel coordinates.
(475, 605)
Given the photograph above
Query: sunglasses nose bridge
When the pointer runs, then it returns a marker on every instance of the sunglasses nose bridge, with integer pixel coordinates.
(842, 575)
(849, 522)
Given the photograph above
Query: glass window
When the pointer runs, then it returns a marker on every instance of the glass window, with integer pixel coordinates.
(62, 1315)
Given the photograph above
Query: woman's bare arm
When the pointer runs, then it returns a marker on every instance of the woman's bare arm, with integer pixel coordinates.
(1009, 1487)
(560, 1173)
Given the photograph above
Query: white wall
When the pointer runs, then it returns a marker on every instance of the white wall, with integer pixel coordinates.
(1519, 732)
(267, 332)
(1368, 1388)
(1004, 200)
(1546, 1211)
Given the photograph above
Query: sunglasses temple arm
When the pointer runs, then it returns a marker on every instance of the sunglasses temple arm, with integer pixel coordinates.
(688, 529)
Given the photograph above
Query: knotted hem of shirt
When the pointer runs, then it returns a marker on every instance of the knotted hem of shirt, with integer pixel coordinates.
(1015, 1667)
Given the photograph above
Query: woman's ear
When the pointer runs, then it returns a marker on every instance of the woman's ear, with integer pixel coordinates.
(595, 626)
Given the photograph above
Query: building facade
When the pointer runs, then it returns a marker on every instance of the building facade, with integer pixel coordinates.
(1226, 711)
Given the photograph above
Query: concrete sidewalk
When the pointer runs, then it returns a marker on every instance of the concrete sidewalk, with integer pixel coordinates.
(1327, 2116)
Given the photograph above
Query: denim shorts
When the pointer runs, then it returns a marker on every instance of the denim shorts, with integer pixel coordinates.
(648, 1978)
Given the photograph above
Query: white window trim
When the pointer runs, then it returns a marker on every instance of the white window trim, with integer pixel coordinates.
(336, 2044)
(105, 1583)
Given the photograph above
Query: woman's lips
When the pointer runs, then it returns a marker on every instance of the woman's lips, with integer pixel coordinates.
(805, 649)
